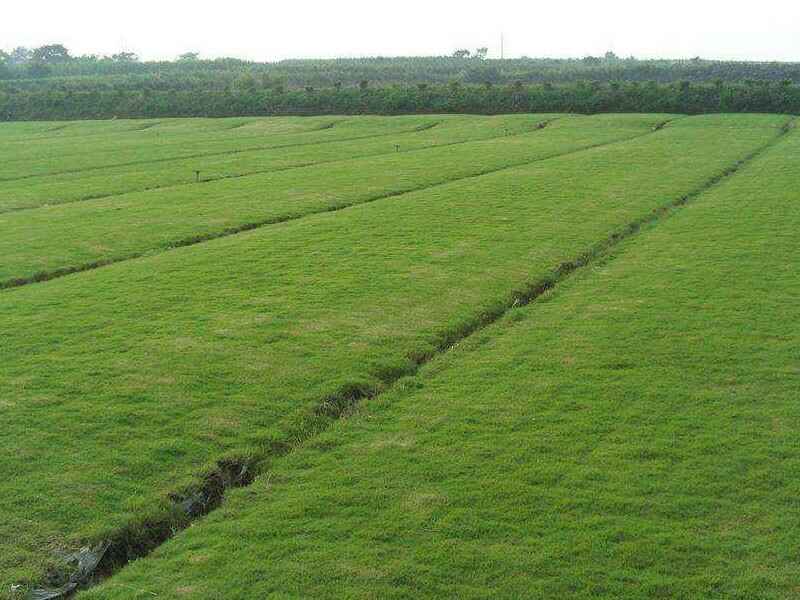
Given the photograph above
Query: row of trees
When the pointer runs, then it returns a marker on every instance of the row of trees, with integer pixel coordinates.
(56, 60)
(50, 83)
(685, 97)
(465, 66)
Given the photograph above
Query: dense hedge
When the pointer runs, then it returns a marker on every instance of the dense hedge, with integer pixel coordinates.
(93, 101)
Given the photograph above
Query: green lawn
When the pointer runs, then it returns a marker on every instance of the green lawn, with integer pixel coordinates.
(43, 242)
(182, 140)
(369, 138)
(28, 131)
(123, 384)
(631, 434)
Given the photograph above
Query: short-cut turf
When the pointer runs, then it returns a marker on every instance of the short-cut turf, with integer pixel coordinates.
(123, 384)
(632, 434)
(48, 241)
(30, 159)
(278, 147)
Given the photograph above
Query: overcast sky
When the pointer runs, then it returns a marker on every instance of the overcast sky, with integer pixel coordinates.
(765, 30)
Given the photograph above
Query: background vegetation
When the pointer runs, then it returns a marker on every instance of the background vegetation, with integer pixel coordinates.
(50, 83)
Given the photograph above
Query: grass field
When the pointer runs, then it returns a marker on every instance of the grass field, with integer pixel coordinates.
(64, 238)
(246, 152)
(628, 434)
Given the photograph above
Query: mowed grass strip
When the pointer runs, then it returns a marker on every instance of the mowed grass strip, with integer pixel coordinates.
(65, 141)
(122, 385)
(633, 434)
(40, 244)
(25, 132)
(48, 132)
(82, 185)
(153, 145)
(27, 158)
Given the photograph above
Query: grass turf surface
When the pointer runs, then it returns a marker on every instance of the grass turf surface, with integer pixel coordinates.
(41, 243)
(126, 382)
(361, 137)
(182, 139)
(631, 434)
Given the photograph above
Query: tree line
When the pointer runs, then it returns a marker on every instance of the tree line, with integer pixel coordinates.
(50, 83)
(464, 66)
(587, 98)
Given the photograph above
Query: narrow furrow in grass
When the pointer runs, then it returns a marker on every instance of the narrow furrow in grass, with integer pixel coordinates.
(110, 231)
(124, 383)
(632, 435)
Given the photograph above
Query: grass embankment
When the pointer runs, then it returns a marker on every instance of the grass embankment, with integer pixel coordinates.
(44, 243)
(286, 151)
(122, 385)
(632, 434)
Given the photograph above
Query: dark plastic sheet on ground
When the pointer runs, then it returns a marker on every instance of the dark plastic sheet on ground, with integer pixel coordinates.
(85, 560)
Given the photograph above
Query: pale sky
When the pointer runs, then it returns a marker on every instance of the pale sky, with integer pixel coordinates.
(267, 31)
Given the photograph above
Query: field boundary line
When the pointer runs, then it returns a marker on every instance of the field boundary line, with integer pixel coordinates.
(540, 125)
(43, 276)
(191, 504)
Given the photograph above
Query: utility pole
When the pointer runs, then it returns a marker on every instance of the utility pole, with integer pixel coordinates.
(502, 47)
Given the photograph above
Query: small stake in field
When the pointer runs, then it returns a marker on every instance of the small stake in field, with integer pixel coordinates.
(397, 147)
(197, 176)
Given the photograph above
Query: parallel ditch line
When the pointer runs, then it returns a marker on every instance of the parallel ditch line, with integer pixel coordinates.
(540, 125)
(320, 127)
(143, 127)
(221, 153)
(191, 504)
(58, 127)
(43, 276)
